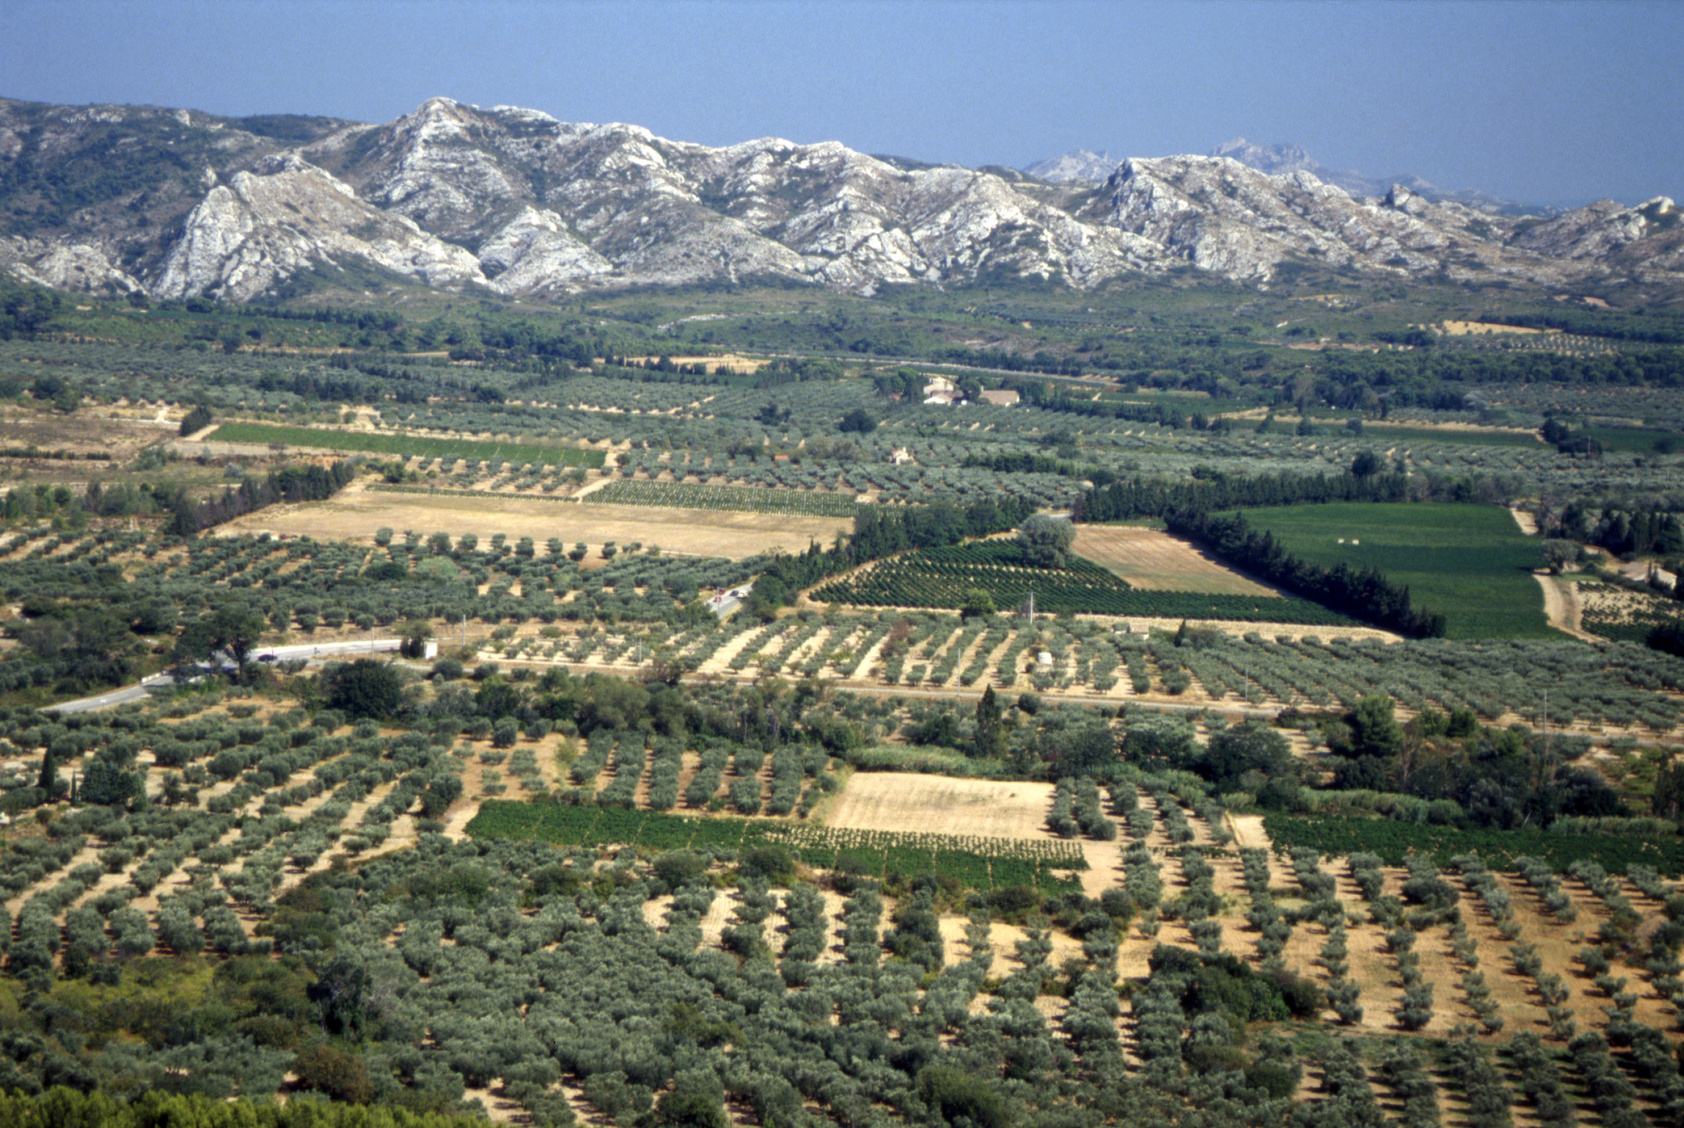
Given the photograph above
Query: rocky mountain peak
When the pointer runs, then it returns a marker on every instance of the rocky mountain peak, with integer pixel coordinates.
(1079, 164)
(1275, 159)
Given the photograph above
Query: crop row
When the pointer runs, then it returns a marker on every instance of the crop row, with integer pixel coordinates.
(1393, 841)
(407, 446)
(750, 499)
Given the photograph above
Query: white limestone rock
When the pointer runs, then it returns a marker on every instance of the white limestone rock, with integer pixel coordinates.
(536, 253)
(78, 267)
(258, 229)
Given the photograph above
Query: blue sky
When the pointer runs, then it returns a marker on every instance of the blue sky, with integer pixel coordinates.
(1542, 102)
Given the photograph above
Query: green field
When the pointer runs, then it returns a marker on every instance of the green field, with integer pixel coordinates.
(1469, 562)
(1402, 433)
(1634, 440)
(408, 446)
(1393, 840)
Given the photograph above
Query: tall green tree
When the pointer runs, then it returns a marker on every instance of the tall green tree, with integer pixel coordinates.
(990, 725)
(1374, 727)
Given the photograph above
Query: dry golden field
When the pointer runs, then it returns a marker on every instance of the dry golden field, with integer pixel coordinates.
(1154, 560)
(356, 512)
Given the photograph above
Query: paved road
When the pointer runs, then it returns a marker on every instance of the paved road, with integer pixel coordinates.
(264, 654)
(107, 700)
(726, 602)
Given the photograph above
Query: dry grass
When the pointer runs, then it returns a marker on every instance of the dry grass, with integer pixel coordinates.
(1153, 560)
(117, 431)
(943, 805)
(1482, 329)
(356, 512)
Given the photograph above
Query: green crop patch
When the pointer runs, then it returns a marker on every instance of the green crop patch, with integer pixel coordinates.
(1470, 563)
(973, 861)
(1399, 433)
(406, 446)
(1635, 440)
(1393, 841)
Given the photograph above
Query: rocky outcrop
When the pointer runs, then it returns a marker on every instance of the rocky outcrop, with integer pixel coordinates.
(1281, 160)
(1225, 217)
(265, 226)
(1594, 231)
(78, 267)
(536, 253)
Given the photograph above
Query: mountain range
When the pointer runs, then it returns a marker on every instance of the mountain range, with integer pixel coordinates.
(175, 203)
(1283, 160)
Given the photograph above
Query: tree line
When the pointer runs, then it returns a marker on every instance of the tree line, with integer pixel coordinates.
(1156, 497)
(290, 484)
(1638, 531)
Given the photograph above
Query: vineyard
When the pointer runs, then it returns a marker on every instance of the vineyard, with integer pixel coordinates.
(1469, 563)
(685, 495)
(1395, 841)
(945, 578)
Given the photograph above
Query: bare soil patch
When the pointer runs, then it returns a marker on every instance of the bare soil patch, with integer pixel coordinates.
(943, 805)
(355, 513)
(89, 430)
(1153, 560)
(1483, 328)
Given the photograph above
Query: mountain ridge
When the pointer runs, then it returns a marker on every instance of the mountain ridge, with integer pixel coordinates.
(515, 202)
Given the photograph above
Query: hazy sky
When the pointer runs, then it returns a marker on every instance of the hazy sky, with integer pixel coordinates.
(1542, 102)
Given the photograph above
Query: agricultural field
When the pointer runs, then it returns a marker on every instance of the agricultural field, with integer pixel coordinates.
(941, 805)
(403, 446)
(357, 513)
(982, 863)
(1467, 562)
(1149, 559)
(943, 577)
(728, 498)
